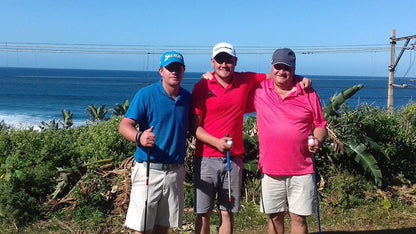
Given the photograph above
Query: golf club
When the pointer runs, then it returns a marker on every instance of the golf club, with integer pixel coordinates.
(310, 141)
(229, 169)
(147, 187)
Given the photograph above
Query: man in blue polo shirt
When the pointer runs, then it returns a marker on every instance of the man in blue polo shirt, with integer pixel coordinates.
(161, 112)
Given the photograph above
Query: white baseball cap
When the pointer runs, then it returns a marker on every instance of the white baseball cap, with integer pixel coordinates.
(223, 47)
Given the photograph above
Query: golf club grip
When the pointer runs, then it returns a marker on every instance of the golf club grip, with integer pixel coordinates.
(228, 172)
(228, 155)
(148, 164)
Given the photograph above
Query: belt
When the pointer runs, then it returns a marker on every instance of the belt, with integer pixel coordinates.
(162, 166)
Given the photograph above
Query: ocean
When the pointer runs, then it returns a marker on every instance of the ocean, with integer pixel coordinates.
(29, 96)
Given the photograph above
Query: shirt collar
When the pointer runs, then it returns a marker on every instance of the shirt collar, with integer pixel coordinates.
(214, 81)
(163, 91)
(270, 85)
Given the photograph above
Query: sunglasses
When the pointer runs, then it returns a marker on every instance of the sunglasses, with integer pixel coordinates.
(222, 59)
(283, 67)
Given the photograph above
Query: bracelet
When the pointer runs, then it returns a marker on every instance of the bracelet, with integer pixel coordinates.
(138, 135)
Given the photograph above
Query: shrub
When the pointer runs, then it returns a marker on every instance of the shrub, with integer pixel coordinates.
(30, 161)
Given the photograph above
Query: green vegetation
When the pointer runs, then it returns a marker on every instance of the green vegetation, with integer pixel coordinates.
(97, 114)
(67, 118)
(121, 109)
(77, 179)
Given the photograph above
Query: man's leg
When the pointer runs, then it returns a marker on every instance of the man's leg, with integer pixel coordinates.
(148, 232)
(160, 229)
(202, 223)
(277, 223)
(299, 225)
(301, 201)
(156, 228)
(206, 174)
(227, 222)
(227, 207)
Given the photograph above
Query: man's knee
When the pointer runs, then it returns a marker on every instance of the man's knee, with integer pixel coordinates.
(226, 214)
(160, 229)
(277, 216)
(299, 219)
(205, 216)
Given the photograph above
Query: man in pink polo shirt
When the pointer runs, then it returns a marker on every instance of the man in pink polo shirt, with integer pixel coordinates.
(286, 117)
(218, 107)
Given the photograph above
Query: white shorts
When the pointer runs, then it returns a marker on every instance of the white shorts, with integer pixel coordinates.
(165, 198)
(277, 192)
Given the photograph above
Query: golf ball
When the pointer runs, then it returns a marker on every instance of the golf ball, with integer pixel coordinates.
(230, 142)
(311, 140)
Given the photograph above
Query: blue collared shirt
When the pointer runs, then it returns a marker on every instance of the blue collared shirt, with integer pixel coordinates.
(152, 106)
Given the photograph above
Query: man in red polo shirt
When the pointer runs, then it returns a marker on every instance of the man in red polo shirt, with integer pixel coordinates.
(218, 107)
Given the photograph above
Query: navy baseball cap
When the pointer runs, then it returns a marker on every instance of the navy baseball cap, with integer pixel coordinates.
(285, 56)
(171, 57)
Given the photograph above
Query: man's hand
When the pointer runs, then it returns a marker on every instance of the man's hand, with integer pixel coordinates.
(304, 82)
(222, 144)
(147, 139)
(207, 76)
(313, 144)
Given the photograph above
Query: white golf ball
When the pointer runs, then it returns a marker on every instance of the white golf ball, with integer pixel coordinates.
(230, 142)
(311, 141)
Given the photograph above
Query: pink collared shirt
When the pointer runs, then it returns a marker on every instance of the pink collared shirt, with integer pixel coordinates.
(284, 126)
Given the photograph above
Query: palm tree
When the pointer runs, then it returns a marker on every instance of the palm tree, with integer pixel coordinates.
(121, 109)
(97, 114)
(2, 125)
(67, 117)
(52, 125)
(355, 147)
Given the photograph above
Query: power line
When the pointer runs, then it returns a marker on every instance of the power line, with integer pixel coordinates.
(153, 49)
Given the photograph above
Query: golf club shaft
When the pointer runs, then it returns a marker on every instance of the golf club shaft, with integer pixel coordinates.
(228, 172)
(147, 188)
(316, 190)
(317, 202)
(229, 177)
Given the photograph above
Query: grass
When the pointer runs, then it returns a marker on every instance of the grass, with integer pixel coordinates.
(374, 217)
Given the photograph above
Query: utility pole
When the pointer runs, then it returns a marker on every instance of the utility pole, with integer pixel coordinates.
(393, 65)
(391, 72)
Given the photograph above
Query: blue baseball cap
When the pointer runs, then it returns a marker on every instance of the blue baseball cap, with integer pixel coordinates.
(171, 57)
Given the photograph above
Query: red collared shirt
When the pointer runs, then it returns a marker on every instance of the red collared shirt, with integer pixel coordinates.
(222, 109)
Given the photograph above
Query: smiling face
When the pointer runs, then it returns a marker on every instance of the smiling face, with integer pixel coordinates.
(283, 75)
(224, 65)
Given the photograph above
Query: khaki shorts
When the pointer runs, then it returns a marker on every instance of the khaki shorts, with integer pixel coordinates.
(211, 181)
(165, 198)
(277, 192)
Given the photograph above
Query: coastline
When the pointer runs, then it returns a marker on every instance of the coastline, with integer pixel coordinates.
(29, 96)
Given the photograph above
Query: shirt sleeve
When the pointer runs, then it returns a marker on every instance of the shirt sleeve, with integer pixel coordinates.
(318, 117)
(250, 101)
(198, 99)
(260, 77)
(138, 108)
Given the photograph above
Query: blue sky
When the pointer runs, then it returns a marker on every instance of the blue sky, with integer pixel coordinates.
(255, 28)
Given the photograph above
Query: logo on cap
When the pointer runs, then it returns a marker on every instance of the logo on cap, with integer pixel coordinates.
(171, 57)
(223, 47)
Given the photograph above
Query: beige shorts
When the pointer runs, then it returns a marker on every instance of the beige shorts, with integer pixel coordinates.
(165, 198)
(277, 192)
